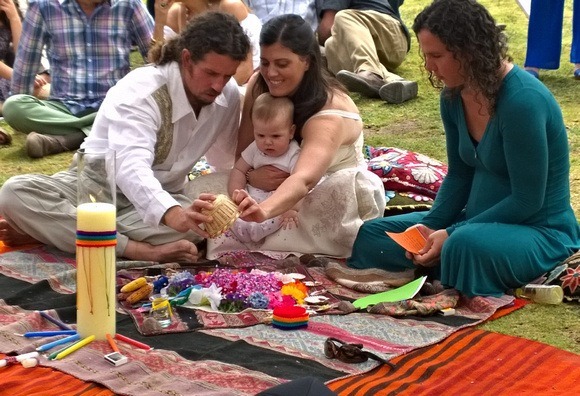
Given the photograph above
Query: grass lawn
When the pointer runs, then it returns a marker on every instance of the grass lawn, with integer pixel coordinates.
(416, 126)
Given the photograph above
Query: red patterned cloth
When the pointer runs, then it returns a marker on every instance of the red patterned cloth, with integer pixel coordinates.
(407, 171)
(423, 306)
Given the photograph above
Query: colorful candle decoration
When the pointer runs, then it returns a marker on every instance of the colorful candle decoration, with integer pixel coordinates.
(96, 241)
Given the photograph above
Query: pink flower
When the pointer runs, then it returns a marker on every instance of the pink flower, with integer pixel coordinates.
(571, 279)
(279, 300)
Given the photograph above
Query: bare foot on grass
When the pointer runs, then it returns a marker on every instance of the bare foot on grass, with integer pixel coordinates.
(180, 251)
(11, 237)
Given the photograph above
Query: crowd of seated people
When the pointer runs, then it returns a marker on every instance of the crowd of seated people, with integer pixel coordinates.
(59, 119)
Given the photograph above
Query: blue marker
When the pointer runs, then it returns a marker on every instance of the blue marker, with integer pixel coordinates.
(49, 333)
(50, 345)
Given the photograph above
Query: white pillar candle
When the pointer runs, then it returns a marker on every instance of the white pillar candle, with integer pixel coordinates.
(96, 240)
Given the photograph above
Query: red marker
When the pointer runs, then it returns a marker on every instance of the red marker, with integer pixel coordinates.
(132, 342)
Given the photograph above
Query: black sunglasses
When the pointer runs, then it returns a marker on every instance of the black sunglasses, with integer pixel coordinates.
(349, 353)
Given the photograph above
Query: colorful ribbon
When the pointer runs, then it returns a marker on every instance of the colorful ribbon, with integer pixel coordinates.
(96, 239)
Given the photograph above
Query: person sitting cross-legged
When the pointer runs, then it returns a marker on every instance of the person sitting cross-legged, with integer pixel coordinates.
(502, 217)
(159, 120)
(88, 45)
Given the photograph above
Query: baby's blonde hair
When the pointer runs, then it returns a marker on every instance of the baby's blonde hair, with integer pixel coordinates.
(267, 107)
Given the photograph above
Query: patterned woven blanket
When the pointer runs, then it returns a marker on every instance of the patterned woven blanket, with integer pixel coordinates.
(41, 278)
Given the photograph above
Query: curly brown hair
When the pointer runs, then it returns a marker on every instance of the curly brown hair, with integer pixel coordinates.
(211, 31)
(469, 31)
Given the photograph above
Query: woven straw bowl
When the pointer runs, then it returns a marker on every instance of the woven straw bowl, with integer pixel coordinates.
(224, 214)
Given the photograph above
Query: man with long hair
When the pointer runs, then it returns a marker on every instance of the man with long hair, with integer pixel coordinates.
(159, 120)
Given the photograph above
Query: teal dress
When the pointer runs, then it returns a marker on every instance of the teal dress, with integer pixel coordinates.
(505, 201)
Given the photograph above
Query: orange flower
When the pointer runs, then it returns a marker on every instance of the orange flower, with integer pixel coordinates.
(297, 290)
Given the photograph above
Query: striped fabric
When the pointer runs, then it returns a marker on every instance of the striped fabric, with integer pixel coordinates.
(471, 362)
(16, 380)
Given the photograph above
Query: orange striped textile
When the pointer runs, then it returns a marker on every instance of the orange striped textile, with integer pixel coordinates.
(471, 362)
(15, 380)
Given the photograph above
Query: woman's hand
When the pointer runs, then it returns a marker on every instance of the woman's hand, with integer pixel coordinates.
(430, 254)
(39, 80)
(9, 8)
(249, 209)
(267, 178)
(185, 219)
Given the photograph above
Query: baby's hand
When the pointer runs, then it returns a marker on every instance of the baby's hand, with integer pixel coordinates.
(289, 219)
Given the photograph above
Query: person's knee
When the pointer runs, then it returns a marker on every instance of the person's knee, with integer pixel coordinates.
(463, 241)
(9, 195)
(370, 227)
(341, 23)
(343, 18)
(15, 109)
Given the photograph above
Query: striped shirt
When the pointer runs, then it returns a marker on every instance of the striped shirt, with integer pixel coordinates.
(87, 54)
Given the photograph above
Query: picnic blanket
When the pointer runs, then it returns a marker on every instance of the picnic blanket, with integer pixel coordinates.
(187, 318)
(471, 362)
(464, 363)
(46, 281)
(153, 372)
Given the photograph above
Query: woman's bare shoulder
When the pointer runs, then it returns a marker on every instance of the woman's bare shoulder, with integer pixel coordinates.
(339, 120)
(235, 7)
(339, 100)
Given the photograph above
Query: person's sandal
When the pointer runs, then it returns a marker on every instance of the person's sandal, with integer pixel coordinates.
(5, 137)
(350, 353)
(577, 74)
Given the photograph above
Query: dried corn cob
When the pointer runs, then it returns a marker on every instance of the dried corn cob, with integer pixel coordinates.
(134, 285)
(140, 294)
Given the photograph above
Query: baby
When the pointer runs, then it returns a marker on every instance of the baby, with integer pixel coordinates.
(273, 144)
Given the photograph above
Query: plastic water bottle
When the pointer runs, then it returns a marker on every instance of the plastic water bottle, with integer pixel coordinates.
(542, 294)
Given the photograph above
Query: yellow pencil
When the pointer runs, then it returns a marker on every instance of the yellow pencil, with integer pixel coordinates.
(74, 347)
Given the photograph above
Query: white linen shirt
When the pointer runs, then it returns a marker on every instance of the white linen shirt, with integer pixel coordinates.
(129, 119)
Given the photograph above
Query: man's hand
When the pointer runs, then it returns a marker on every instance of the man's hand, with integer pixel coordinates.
(40, 80)
(267, 178)
(185, 219)
(325, 26)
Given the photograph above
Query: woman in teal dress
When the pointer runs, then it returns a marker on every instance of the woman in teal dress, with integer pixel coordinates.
(502, 216)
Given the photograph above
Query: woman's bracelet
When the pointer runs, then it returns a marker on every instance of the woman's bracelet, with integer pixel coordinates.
(248, 175)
